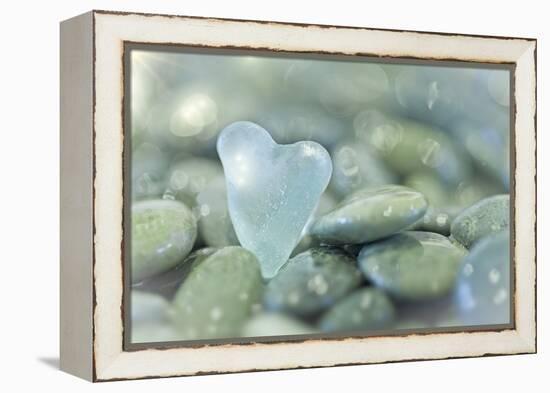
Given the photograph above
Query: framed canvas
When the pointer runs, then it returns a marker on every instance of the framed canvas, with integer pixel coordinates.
(245, 195)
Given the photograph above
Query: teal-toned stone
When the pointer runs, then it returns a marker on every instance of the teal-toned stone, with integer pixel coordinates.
(370, 214)
(307, 241)
(163, 233)
(275, 324)
(431, 186)
(191, 175)
(149, 318)
(413, 147)
(149, 165)
(436, 313)
(215, 226)
(436, 219)
(356, 166)
(312, 281)
(148, 307)
(218, 295)
(488, 143)
(363, 310)
(154, 332)
(475, 189)
(168, 282)
(488, 216)
(412, 265)
(483, 289)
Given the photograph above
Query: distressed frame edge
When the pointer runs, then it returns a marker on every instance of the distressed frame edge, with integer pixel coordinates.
(525, 333)
(76, 196)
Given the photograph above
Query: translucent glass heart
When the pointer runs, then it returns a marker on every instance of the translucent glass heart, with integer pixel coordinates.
(272, 189)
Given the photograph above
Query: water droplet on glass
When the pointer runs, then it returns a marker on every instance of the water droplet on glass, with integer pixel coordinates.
(500, 296)
(431, 153)
(216, 313)
(433, 94)
(494, 276)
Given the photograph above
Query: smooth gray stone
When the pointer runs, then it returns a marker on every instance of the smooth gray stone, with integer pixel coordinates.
(436, 219)
(218, 296)
(154, 332)
(483, 288)
(363, 310)
(412, 266)
(168, 282)
(163, 233)
(148, 307)
(437, 313)
(370, 214)
(215, 226)
(275, 324)
(488, 216)
(191, 175)
(356, 166)
(436, 192)
(294, 122)
(409, 147)
(149, 165)
(307, 241)
(488, 143)
(312, 281)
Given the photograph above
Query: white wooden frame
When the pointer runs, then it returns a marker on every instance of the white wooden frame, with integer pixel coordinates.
(92, 195)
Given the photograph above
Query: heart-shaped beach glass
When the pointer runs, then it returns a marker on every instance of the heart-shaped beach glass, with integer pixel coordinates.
(272, 189)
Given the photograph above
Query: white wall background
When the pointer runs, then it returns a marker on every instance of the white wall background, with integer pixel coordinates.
(29, 195)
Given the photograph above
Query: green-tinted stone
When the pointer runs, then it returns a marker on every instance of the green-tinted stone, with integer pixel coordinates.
(312, 281)
(148, 168)
(370, 214)
(435, 191)
(355, 166)
(416, 147)
(168, 282)
(275, 324)
(475, 189)
(218, 295)
(430, 314)
(163, 233)
(191, 175)
(148, 307)
(364, 309)
(436, 219)
(154, 332)
(488, 216)
(307, 241)
(215, 226)
(412, 265)
(150, 318)
(483, 289)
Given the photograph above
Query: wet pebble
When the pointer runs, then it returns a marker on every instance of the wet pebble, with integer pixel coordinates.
(275, 324)
(218, 295)
(488, 216)
(191, 175)
(148, 307)
(355, 166)
(363, 310)
(312, 281)
(163, 233)
(168, 282)
(412, 266)
(436, 219)
(370, 214)
(215, 226)
(483, 288)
